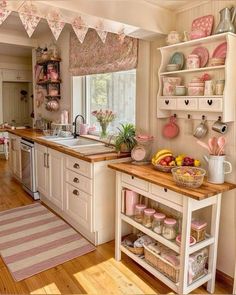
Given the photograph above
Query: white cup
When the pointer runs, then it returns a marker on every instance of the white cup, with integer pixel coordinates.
(209, 88)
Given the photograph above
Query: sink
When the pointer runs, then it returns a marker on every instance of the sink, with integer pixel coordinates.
(76, 142)
(54, 137)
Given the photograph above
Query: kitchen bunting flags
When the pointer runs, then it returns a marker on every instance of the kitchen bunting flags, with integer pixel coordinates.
(79, 28)
(55, 23)
(4, 12)
(29, 18)
(100, 31)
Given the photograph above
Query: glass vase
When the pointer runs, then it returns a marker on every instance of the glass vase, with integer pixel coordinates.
(104, 133)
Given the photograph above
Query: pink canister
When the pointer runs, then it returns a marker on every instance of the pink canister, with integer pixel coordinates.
(193, 61)
(131, 199)
(169, 84)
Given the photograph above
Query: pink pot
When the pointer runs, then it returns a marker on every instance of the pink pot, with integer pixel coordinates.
(195, 91)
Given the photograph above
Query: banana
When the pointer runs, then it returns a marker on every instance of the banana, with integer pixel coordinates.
(162, 152)
(162, 157)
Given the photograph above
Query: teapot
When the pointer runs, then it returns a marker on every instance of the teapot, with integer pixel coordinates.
(226, 23)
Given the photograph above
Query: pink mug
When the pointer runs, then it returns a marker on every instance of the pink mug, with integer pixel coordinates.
(83, 129)
(131, 199)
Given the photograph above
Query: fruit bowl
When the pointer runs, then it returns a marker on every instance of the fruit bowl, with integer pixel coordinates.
(188, 176)
(163, 168)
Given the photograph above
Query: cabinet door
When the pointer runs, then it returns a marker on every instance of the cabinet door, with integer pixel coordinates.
(187, 104)
(55, 177)
(18, 158)
(15, 156)
(41, 169)
(17, 75)
(24, 75)
(167, 103)
(78, 206)
(211, 104)
(12, 154)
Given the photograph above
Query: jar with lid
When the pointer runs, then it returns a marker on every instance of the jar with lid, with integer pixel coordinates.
(148, 217)
(193, 61)
(169, 230)
(157, 223)
(139, 212)
(219, 88)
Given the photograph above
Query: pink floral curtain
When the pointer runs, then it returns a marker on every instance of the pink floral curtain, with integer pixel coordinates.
(95, 57)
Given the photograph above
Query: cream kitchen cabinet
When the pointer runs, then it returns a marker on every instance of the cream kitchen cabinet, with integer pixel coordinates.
(49, 174)
(210, 106)
(15, 156)
(11, 75)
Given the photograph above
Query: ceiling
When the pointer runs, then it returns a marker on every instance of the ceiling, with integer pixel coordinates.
(169, 4)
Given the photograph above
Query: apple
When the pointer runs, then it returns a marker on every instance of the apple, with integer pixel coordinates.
(168, 159)
(163, 162)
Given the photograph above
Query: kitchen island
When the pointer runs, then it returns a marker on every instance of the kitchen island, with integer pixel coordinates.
(160, 187)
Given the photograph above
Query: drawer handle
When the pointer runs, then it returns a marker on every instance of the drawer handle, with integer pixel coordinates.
(76, 180)
(167, 101)
(210, 101)
(76, 166)
(165, 190)
(76, 192)
(132, 177)
(186, 102)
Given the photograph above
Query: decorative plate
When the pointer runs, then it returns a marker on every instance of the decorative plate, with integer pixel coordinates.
(203, 54)
(177, 58)
(220, 50)
(204, 23)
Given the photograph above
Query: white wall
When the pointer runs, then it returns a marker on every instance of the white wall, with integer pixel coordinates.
(187, 144)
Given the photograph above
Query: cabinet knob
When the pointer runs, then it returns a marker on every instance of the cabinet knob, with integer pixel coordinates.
(76, 180)
(167, 101)
(165, 190)
(209, 101)
(76, 165)
(76, 192)
(186, 102)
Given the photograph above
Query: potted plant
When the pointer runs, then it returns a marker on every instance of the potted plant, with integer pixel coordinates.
(125, 140)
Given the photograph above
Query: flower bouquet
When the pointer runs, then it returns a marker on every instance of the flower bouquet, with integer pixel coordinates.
(104, 118)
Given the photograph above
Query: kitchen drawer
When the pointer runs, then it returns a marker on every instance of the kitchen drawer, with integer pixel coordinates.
(210, 104)
(79, 181)
(188, 104)
(167, 194)
(78, 206)
(134, 181)
(167, 103)
(79, 166)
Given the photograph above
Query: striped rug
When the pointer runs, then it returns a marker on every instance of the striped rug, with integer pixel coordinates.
(33, 239)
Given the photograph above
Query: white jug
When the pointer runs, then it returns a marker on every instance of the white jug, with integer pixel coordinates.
(216, 168)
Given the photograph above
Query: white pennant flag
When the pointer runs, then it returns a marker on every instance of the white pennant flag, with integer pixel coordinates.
(29, 18)
(79, 28)
(4, 12)
(55, 23)
(101, 33)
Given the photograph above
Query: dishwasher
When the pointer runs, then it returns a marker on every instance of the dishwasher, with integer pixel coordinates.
(28, 169)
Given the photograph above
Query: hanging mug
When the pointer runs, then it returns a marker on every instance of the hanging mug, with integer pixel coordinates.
(219, 126)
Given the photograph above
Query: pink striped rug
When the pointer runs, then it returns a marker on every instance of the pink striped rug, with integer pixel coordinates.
(33, 239)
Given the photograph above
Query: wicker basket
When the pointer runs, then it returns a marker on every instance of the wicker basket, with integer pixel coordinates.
(169, 270)
(135, 250)
(161, 168)
(198, 234)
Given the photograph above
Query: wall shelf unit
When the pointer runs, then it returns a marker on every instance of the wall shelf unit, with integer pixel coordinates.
(212, 107)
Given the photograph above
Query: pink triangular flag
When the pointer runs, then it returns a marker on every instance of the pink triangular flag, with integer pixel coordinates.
(79, 28)
(4, 12)
(29, 18)
(55, 23)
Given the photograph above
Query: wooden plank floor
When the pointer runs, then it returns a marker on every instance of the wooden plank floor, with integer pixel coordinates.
(95, 273)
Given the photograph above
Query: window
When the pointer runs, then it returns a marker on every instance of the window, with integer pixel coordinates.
(114, 91)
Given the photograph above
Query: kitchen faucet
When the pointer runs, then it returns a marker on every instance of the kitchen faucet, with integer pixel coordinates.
(75, 123)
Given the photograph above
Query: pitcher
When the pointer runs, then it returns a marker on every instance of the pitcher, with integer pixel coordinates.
(216, 168)
(226, 21)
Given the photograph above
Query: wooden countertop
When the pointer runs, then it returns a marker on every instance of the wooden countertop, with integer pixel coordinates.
(33, 135)
(148, 173)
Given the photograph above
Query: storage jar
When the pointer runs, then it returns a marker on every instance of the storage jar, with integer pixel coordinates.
(180, 90)
(148, 217)
(219, 88)
(139, 212)
(198, 230)
(169, 84)
(193, 61)
(157, 223)
(169, 230)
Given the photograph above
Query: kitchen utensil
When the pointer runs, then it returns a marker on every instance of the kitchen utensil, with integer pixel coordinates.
(171, 129)
(188, 176)
(180, 90)
(172, 67)
(209, 88)
(216, 168)
(204, 23)
(203, 55)
(221, 144)
(204, 145)
(220, 127)
(220, 51)
(212, 143)
(226, 21)
(201, 129)
(177, 58)
(169, 84)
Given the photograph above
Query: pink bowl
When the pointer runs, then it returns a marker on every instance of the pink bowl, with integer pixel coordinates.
(197, 34)
(195, 91)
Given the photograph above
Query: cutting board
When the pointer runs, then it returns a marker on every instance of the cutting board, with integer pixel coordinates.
(95, 150)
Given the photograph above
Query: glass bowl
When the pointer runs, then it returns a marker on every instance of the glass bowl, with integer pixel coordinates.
(188, 176)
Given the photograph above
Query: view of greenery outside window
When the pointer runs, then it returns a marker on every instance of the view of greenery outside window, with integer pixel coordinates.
(113, 91)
